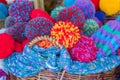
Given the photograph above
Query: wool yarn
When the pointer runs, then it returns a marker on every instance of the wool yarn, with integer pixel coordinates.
(87, 7)
(37, 27)
(2, 16)
(110, 7)
(18, 47)
(40, 13)
(9, 22)
(90, 27)
(3, 75)
(72, 14)
(107, 38)
(96, 4)
(100, 15)
(56, 11)
(25, 42)
(6, 45)
(98, 21)
(20, 10)
(3, 1)
(65, 33)
(3, 9)
(44, 44)
(84, 50)
(68, 3)
(17, 31)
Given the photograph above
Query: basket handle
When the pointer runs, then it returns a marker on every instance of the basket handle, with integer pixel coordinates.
(39, 38)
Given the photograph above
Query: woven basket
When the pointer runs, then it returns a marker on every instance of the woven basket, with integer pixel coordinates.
(2, 21)
(47, 75)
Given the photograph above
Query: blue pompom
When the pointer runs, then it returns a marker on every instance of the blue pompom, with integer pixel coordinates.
(2, 16)
(3, 9)
(68, 3)
(100, 15)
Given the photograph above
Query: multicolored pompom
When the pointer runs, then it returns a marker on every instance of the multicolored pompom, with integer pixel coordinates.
(84, 50)
(9, 22)
(72, 14)
(20, 10)
(37, 27)
(65, 33)
(17, 31)
(87, 7)
(90, 27)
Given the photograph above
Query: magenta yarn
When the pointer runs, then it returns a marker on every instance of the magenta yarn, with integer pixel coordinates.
(37, 27)
(20, 10)
(72, 14)
(87, 7)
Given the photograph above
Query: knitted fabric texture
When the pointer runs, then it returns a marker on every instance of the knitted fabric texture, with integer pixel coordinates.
(96, 4)
(90, 27)
(3, 75)
(68, 3)
(87, 7)
(6, 45)
(37, 27)
(56, 11)
(3, 9)
(20, 10)
(9, 22)
(65, 33)
(17, 31)
(40, 13)
(44, 44)
(72, 14)
(100, 15)
(98, 21)
(107, 38)
(105, 6)
(84, 50)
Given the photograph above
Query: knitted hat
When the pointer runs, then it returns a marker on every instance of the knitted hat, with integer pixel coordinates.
(9, 22)
(65, 33)
(107, 38)
(56, 11)
(87, 7)
(3, 9)
(84, 50)
(96, 4)
(72, 14)
(17, 31)
(37, 27)
(20, 10)
(68, 3)
(110, 7)
(6, 45)
(40, 13)
(100, 15)
(90, 27)
(98, 21)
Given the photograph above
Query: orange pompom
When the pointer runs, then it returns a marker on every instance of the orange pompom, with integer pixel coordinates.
(65, 33)
(44, 44)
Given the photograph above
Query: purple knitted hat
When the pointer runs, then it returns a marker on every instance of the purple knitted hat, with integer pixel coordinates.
(9, 22)
(87, 7)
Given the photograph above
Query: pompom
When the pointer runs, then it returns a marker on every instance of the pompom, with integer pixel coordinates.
(7, 45)
(3, 9)
(72, 14)
(20, 10)
(68, 3)
(25, 42)
(98, 21)
(96, 4)
(90, 27)
(40, 13)
(84, 50)
(17, 31)
(2, 16)
(110, 7)
(44, 44)
(87, 7)
(3, 1)
(65, 33)
(56, 11)
(9, 22)
(100, 15)
(18, 47)
(37, 27)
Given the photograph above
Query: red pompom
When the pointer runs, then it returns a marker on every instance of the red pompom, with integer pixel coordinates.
(40, 13)
(96, 4)
(3, 1)
(7, 45)
(84, 51)
(25, 42)
(119, 51)
(18, 47)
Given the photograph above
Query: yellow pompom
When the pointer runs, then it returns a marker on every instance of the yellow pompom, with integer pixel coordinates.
(44, 44)
(110, 7)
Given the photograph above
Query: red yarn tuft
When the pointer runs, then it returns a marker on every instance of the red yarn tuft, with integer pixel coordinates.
(40, 13)
(7, 45)
(3, 1)
(18, 47)
(25, 42)
(96, 4)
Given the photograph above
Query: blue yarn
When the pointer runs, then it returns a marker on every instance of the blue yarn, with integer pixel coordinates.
(118, 18)
(100, 15)
(68, 3)
(3, 9)
(2, 16)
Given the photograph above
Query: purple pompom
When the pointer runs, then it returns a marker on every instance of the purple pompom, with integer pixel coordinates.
(9, 22)
(37, 27)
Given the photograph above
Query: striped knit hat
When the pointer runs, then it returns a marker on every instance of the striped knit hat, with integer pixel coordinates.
(107, 38)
